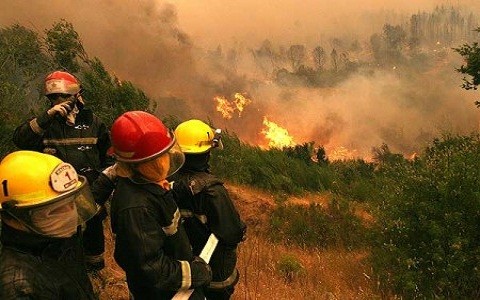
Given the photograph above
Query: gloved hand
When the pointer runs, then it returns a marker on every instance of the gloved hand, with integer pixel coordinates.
(62, 109)
(111, 172)
(201, 272)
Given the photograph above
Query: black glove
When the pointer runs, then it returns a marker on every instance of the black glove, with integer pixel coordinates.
(201, 272)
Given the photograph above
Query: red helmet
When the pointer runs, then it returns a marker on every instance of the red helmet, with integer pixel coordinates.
(60, 82)
(138, 136)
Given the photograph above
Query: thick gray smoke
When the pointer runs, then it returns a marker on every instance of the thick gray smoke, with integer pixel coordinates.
(185, 53)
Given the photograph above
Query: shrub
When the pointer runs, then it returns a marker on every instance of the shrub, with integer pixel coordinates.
(290, 268)
(354, 179)
(271, 170)
(314, 226)
(428, 238)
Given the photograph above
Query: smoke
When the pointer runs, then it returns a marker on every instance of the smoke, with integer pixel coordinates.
(307, 22)
(184, 53)
(386, 107)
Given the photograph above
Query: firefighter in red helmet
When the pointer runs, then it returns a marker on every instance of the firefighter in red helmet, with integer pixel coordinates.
(151, 244)
(73, 133)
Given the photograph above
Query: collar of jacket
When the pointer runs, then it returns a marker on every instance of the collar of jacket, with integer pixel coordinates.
(151, 187)
(34, 244)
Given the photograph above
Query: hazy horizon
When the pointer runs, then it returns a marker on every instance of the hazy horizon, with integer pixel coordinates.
(164, 48)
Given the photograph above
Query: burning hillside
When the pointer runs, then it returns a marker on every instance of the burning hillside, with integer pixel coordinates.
(271, 134)
(348, 80)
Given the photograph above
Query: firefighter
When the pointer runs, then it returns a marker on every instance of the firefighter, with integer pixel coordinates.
(206, 206)
(43, 206)
(73, 133)
(151, 245)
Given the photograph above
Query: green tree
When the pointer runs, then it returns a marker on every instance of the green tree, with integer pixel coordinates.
(319, 58)
(109, 96)
(22, 62)
(65, 46)
(428, 242)
(296, 54)
(25, 58)
(21, 56)
(471, 67)
(395, 39)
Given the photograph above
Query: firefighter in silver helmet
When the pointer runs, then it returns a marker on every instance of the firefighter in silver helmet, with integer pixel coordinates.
(72, 132)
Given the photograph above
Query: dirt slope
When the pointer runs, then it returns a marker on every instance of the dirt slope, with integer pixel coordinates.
(330, 274)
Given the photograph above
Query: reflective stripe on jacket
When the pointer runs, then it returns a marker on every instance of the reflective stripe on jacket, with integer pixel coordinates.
(151, 245)
(83, 145)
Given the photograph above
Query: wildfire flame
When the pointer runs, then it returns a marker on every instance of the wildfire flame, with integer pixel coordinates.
(241, 102)
(224, 107)
(227, 108)
(277, 136)
(341, 153)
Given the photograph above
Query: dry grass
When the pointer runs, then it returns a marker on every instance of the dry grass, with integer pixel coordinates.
(327, 274)
(110, 283)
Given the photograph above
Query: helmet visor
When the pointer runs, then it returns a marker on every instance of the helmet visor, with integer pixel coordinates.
(177, 158)
(60, 215)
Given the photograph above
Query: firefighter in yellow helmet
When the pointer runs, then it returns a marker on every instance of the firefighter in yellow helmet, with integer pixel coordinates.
(206, 207)
(43, 206)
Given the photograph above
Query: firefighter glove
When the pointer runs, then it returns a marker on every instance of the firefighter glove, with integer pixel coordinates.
(201, 272)
(111, 172)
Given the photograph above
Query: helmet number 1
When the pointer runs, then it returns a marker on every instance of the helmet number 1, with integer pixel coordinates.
(64, 178)
(5, 189)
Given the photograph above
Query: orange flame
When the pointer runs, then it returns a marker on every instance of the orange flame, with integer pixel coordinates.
(224, 107)
(227, 108)
(341, 153)
(277, 136)
(241, 102)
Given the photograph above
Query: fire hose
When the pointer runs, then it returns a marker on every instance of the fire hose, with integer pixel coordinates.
(206, 254)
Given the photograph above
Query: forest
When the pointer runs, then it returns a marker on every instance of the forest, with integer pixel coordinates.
(424, 241)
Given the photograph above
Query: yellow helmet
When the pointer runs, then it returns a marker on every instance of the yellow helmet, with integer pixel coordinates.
(31, 180)
(25, 177)
(195, 137)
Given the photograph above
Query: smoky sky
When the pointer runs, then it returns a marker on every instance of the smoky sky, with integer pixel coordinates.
(182, 52)
(293, 21)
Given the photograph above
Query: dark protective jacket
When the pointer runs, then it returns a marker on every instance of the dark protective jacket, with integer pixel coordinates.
(151, 245)
(207, 208)
(38, 267)
(83, 145)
